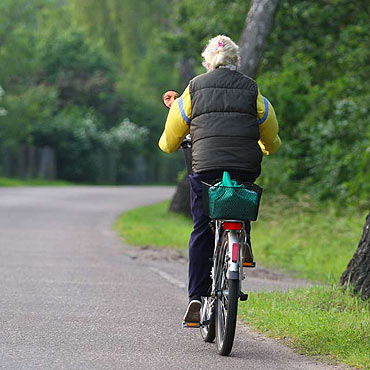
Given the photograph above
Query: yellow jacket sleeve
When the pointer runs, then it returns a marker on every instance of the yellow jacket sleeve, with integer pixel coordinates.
(178, 123)
(268, 126)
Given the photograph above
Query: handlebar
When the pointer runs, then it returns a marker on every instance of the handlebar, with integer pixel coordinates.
(186, 149)
(186, 143)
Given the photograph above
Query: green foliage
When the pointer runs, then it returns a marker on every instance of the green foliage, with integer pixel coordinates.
(195, 27)
(24, 110)
(314, 29)
(314, 76)
(313, 71)
(132, 33)
(337, 147)
(113, 59)
(320, 321)
(31, 182)
(82, 73)
(117, 23)
(129, 30)
(3, 111)
(66, 96)
(144, 226)
(306, 239)
(18, 21)
(84, 149)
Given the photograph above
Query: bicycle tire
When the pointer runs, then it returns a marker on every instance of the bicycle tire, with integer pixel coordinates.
(208, 313)
(226, 309)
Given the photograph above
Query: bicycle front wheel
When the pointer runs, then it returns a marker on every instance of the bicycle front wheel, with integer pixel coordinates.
(226, 309)
(207, 317)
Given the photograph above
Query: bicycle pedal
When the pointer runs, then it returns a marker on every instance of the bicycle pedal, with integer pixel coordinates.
(243, 296)
(205, 322)
(190, 324)
(249, 264)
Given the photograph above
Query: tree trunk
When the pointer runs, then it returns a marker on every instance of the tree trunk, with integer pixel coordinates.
(180, 202)
(357, 273)
(253, 39)
(186, 69)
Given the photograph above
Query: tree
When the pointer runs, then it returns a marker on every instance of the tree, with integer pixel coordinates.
(3, 111)
(180, 202)
(127, 27)
(81, 71)
(357, 273)
(18, 39)
(252, 41)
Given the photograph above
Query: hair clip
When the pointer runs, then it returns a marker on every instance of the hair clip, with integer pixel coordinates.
(221, 44)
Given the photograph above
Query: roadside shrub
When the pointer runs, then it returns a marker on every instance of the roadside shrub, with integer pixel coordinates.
(85, 151)
(25, 109)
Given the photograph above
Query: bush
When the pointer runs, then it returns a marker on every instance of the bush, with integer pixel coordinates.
(85, 151)
(25, 109)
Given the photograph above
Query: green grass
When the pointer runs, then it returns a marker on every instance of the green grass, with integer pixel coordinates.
(154, 226)
(311, 241)
(307, 240)
(4, 181)
(321, 321)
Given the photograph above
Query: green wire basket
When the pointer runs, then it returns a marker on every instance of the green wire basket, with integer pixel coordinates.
(239, 202)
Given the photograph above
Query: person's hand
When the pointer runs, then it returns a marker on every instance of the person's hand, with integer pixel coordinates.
(264, 151)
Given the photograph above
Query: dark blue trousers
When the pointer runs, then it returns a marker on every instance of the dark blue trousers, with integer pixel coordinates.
(201, 242)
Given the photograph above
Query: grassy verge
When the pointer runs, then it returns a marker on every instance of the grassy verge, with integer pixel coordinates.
(315, 242)
(4, 181)
(319, 321)
(153, 225)
(310, 241)
(295, 236)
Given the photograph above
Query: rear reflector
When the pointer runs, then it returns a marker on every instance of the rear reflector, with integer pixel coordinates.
(234, 256)
(232, 225)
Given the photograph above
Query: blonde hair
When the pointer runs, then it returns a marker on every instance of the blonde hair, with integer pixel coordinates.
(220, 51)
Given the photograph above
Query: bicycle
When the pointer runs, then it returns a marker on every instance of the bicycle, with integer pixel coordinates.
(232, 252)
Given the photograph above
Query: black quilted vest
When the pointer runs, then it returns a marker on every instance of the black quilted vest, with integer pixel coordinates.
(224, 126)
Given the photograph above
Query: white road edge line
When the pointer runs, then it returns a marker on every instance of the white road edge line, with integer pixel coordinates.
(169, 278)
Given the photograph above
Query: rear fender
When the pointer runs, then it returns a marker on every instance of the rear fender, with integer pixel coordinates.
(234, 251)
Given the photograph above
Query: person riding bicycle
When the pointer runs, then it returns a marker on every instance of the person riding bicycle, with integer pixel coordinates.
(231, 125)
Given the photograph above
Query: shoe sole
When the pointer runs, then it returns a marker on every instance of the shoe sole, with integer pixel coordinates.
(192, 314)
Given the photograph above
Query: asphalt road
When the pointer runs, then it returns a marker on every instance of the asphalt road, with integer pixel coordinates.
(73, 296)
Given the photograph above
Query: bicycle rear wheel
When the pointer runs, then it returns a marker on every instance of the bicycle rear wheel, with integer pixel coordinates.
(226, 307)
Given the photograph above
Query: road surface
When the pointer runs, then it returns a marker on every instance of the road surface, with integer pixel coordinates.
(73, 296)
